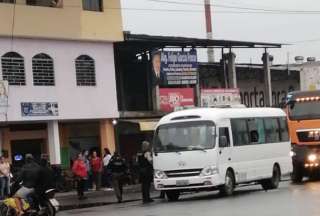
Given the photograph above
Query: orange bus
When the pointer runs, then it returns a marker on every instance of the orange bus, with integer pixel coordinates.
(303, 111)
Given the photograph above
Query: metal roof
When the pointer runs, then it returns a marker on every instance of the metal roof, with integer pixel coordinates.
(145, 41)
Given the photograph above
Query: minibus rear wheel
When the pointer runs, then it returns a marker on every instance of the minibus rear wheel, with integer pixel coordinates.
(273, 182)
(297, 174)
(173, 195)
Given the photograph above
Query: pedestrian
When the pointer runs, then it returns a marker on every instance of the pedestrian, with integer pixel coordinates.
(118, 169)
(80, 171)
(4, 178)
(86, 158)
(96, 167)
(106, 172)
(146, 171)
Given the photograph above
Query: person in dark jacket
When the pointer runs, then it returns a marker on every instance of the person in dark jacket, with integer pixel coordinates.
(146, 171)
(118, 168)
(29, 176)
(47, 180)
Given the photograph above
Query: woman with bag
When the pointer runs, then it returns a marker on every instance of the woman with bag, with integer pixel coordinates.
(80, 171)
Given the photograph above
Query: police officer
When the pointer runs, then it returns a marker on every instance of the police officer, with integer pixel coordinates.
(118, 169)
(146, 171)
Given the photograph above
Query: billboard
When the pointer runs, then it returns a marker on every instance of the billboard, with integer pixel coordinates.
(30, 109)
(219, 97)
(175, 68)
(172, 99)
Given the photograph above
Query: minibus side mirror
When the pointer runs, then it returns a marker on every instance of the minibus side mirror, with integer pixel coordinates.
(223, 142)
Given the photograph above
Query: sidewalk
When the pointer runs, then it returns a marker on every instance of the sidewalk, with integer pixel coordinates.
(70, 200)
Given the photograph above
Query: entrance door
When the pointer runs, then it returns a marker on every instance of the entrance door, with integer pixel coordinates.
(23, 147)
(224, 152)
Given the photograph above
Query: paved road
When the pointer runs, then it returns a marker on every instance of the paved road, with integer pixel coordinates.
(291, 200)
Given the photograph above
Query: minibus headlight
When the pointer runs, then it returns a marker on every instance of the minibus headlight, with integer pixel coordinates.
(312, 157)
(210, 170)
(158, 174)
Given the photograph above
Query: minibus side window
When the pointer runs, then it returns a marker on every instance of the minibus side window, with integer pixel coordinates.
(240, 132)
(272, 130)
(284, 129)
(256, 131)
(224, 131)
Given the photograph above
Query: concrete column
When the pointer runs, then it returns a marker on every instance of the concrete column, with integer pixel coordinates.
(107, 135)
(267, 79)
(231, 70)
(54, 143)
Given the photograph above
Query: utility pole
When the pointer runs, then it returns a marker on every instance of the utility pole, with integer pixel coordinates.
(207, 6)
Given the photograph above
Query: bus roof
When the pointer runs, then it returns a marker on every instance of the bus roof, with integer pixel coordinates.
(216, 114)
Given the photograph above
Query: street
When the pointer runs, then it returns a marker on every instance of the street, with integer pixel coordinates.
(287, 200)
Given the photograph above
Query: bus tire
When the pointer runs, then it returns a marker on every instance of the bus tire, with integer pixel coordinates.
(297, 174)
(173, 195)
(228, 188)
(273, 182)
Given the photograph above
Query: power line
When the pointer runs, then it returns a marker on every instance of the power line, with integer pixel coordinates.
(238, 7)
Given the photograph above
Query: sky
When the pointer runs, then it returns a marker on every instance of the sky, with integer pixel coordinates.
(300, 30)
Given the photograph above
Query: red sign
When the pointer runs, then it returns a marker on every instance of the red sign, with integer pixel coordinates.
(174, 98)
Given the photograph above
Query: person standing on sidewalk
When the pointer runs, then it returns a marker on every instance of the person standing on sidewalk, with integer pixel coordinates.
(106, 172)
(118, 169)
(81, 173)
(96, 166)
(146, 171)
(4, 178)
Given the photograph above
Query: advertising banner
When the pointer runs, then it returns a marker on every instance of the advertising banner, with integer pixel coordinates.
(4, 93)
(172, 99)
(220, 97)
(175, 68)
(30, 109)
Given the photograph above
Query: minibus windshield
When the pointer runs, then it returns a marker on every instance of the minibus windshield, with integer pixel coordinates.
(304, 110)
(185, 136)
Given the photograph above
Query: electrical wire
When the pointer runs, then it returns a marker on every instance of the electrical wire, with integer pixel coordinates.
(237, 7)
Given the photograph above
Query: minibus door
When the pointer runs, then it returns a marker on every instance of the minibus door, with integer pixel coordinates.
(224, 151)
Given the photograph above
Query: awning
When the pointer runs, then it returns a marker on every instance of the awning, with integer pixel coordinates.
(144, 124)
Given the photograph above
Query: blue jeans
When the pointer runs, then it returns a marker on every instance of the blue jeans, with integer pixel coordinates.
(4, 187)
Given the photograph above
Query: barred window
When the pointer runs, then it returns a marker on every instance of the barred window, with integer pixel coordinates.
(85, 71)
(43, 70)
(13, 68)
(92, 5)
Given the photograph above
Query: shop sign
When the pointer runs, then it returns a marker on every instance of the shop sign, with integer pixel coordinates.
(172, 99)
(175, 68)
(30, 109)
(220, 97)
(4, 93)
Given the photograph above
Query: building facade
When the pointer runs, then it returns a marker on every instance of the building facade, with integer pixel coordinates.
(57, 59)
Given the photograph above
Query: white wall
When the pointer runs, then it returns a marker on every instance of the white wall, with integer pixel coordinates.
(75, 102)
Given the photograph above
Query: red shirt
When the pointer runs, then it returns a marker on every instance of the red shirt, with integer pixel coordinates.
(96, 164)
(79, 168)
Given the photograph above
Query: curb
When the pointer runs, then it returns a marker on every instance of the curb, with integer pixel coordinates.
(97, 204)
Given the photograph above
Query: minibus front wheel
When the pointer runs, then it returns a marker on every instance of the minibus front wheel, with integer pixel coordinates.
(173, 195)
(228, 188)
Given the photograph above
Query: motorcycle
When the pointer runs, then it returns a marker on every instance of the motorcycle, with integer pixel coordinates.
(49, 207)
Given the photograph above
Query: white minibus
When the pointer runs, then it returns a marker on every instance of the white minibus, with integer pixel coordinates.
(220, 148)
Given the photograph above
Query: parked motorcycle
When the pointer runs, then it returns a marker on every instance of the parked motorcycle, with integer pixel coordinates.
(30, 207)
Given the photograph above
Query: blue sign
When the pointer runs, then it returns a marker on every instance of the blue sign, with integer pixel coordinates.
(175, 68)
(30, 109)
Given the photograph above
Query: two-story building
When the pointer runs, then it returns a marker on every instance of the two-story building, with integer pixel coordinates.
(57, 66)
